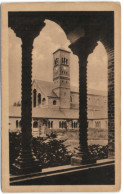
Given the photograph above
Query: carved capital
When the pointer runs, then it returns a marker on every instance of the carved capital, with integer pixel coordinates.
(25, 26)
(83, 47)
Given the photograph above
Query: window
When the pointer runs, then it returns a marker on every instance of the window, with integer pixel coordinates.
(70, 98)
(64, 93)
(17, 123)
(20, 123)
(34, 99)
(56, 61)
(44, 101)
(74, 124)
(39, 99)
(66, 61)
(54, 102)
(65, 124)
(98, 124)
(35, 124)
(51, 124)
(60, 124)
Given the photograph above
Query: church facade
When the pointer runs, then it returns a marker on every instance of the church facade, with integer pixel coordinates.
(55, 105)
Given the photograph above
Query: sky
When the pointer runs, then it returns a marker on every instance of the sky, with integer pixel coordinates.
(50, 39)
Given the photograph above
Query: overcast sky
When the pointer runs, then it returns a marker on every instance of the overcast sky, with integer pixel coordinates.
(51, 38)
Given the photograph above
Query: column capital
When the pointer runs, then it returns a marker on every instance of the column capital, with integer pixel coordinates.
(26, 26)
(83, 47)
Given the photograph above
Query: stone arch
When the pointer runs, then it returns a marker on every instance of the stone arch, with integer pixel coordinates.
(108, 42)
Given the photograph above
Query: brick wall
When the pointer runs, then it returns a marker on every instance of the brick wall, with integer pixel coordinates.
(111, 124)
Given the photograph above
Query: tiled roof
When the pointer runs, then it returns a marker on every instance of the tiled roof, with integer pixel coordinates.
(90, 91)
(47, 87)
(62, 49)
(56, 113)
(97, 92)
(46, 112)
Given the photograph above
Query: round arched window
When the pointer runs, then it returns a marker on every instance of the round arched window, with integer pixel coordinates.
(44, 101)
(54, 102)
(34, 94)
(39, 99)
(35, 124)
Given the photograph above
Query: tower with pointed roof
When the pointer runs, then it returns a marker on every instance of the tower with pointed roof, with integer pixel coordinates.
(61, 76)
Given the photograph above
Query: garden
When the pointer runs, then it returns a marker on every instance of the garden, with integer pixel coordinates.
(52, 151)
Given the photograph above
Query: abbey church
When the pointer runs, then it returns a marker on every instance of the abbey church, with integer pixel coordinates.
(55, 105)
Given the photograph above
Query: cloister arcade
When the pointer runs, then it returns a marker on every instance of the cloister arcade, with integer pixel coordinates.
(84, 30)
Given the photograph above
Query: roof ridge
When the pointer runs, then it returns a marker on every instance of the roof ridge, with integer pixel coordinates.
(42, 80)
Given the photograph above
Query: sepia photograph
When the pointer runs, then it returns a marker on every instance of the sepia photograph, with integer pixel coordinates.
(61, 101)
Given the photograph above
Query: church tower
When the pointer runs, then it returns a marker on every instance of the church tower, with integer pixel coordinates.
(61, 76)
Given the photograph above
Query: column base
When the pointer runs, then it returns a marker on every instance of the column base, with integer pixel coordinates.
(25, 164)
(78, 160)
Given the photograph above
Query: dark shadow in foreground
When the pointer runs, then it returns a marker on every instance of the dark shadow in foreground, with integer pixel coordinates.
(102, 175)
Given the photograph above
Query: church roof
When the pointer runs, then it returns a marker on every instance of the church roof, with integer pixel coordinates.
(97, 92)
(61, 49)
(46, 112)
(55, 113)
(46, 87)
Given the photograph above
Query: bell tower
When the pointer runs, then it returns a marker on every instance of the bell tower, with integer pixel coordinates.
(61, 76)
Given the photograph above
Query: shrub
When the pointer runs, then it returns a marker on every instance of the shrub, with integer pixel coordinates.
(50, 151)
(98, 152)
(14, 146)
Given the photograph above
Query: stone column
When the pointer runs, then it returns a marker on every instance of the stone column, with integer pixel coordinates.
(83, 139)
(27, 28)
(82, 48)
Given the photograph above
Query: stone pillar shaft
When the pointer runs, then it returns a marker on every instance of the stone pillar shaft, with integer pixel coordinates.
(26, 109)
(82, 48)
(83, 105)
(26, 27)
